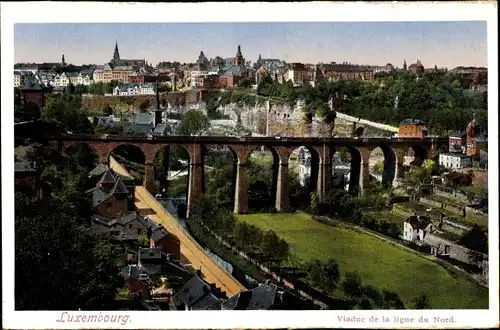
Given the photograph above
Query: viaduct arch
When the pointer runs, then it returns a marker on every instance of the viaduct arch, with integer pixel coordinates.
(323, 149)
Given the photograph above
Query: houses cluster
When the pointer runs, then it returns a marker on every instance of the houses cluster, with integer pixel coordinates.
(418, 229)
(112, 201)
(465, 147)
(217, 72)
(196, 294)
(132, 89)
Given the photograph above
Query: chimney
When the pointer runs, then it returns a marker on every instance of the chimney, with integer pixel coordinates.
(158, 111)
(157, 96)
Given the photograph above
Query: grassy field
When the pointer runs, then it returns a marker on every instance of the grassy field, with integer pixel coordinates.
(379, 262)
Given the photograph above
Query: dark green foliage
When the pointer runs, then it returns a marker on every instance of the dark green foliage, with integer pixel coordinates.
(323, 275)
(421, 302)
(352, 285)
(476, 239)
(66, 111)
(194, 123)
(59, 264)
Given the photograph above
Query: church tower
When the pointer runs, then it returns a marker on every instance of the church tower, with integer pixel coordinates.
(472, 133)
(404, 65)
(238, 59)
(116, 54)
(63, 61)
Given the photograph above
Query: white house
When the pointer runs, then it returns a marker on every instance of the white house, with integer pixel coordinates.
(454, 160)
(64, 79)
(47, 78)
(416, 228)
(84, 78)
(134, 89)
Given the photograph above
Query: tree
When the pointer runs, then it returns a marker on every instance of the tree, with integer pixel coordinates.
(315, 203)
(393, 300)
(316, 275)
(352, 285)
(107, 110)
(246, 82)
(81, 89)
(374, 295)
(194, 122)
(324, 275)
(67, 268)
(66, 111)
(455, 84)
(421, 302)
(124, 294)
(143, 240)
(332, 274)
(476, 239)
(379, 167)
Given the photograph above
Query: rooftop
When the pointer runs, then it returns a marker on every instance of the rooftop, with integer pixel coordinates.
(25, 167)
(418, 222)
(455, 154)
(193, 290)
(150, 254)
(412, 122)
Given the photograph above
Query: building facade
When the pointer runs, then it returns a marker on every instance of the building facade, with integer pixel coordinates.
(416, 227)
(345, 71)
(412, 128)
(134, 89)
(454, 161)
(117, 69)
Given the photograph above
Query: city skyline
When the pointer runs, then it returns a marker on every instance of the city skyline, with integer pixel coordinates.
(445, 44)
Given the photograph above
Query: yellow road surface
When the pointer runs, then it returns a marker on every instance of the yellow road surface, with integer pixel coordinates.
(198, 258)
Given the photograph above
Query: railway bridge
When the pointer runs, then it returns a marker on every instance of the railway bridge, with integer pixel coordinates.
(321, 149)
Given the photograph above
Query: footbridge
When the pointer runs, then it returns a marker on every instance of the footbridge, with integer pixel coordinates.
(195, 255)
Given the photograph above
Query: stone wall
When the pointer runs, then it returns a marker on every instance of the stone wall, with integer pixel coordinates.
(450, 193)
(97, 102)
(456, 251)
(430, 202)
(474, 210)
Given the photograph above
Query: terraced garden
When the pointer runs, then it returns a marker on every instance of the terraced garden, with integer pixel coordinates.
(379, 262)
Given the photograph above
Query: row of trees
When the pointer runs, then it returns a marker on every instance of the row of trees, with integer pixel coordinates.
(341, 205)
(265, 246)
(325, 275)
(59, 264)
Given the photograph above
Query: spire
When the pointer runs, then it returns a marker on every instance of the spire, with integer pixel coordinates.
(238, 53)
(157, 96)
(116, 55)
(63, 61)
(404, 64)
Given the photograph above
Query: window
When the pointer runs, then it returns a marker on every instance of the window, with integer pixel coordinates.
(130, 226)
(138, 231)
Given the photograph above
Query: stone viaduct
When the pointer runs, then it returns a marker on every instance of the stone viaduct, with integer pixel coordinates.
(321, 149)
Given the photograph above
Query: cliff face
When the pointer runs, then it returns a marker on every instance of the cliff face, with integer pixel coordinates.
(97, 102)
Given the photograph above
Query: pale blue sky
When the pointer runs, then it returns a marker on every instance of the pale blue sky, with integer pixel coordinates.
(447, 44)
